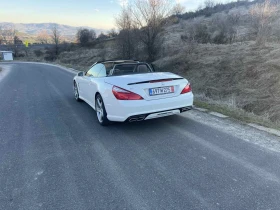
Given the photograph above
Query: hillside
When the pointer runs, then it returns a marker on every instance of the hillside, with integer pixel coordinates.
(33, 29)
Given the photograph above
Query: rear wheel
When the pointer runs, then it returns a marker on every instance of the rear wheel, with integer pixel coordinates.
(101, 111)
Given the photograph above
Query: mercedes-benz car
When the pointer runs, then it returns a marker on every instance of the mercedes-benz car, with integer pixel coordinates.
(129, 90)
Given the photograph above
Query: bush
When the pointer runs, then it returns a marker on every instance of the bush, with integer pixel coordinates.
(201, 34)
(85, 36)
(223, 28)
(38, 53)
(67, 47)
(18, 55)
(50, 54)
(197, 33)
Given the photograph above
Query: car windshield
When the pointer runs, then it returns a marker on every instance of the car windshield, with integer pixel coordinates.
(126, 69)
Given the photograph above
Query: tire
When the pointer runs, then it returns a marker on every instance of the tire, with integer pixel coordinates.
(76, 92)
(101, 113)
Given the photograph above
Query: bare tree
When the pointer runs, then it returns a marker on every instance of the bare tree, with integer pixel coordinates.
(126, 40)
(200, 7)
(17, 40)
(150, 17)
(209, 3)
(92, 35)
(178, 9)
(112, 33)
(196, 33)
(262, 15)
(85, 36)
(223, 28)
(56, 38)
(43, 37)
(189, 38)
(7, 35)
(102, 36)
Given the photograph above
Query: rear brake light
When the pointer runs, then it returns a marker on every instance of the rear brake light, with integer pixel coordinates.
(187, 89)
(122, 94)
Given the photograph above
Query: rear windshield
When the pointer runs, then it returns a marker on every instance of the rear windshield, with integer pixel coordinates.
(126, 69)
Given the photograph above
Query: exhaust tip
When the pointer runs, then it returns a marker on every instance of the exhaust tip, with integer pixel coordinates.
(141, 118)
(132, 119)
(136, 118)
(187, 108)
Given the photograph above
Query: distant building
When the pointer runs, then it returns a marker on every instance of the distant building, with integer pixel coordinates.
(6, 55)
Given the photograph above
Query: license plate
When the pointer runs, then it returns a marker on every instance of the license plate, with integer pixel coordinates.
(161, 90)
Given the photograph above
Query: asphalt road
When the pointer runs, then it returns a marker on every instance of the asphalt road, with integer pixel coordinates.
(55, 155)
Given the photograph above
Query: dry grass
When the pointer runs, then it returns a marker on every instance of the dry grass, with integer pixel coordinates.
(84, 58)
(80, 58)
(229, 108)
(247, 73)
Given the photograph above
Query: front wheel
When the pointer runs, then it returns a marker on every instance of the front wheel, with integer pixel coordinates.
(101, 111)
(76, 92)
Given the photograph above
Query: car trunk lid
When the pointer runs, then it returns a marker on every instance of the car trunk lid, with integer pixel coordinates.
(143, 83)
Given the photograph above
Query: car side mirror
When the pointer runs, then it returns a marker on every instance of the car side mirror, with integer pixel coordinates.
(81, 74)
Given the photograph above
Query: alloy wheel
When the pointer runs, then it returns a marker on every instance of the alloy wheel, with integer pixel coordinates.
(99, 109)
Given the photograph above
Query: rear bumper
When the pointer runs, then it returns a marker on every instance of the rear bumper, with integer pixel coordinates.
(143, 110)
(153, 115)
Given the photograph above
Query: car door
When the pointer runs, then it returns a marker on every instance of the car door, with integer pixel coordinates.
(90, 87)
(82, 83)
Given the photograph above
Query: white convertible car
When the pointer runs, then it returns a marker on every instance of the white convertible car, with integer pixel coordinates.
(128, 90)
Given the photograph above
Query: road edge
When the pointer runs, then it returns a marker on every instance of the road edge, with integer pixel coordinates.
(253, 125)
(71, 70)
(4, 72)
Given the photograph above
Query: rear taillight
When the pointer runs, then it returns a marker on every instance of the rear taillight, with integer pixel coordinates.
(187, 89)
(122, 94)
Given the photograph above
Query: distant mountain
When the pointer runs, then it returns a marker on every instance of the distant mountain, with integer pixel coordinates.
(33, 29)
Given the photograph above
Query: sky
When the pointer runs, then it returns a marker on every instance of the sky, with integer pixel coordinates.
(93, 13)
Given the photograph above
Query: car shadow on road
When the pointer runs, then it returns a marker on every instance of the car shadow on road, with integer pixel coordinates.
(89, 115)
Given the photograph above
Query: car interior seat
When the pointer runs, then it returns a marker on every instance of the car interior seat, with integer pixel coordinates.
(142, 69)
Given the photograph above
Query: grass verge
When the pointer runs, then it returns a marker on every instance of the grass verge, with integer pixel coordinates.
(237, 113)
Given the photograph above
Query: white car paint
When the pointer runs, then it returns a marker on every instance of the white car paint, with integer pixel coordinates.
(121, 110)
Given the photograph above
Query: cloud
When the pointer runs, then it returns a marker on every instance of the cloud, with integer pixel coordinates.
(182, 1)
(123, 3)
(96, 10)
